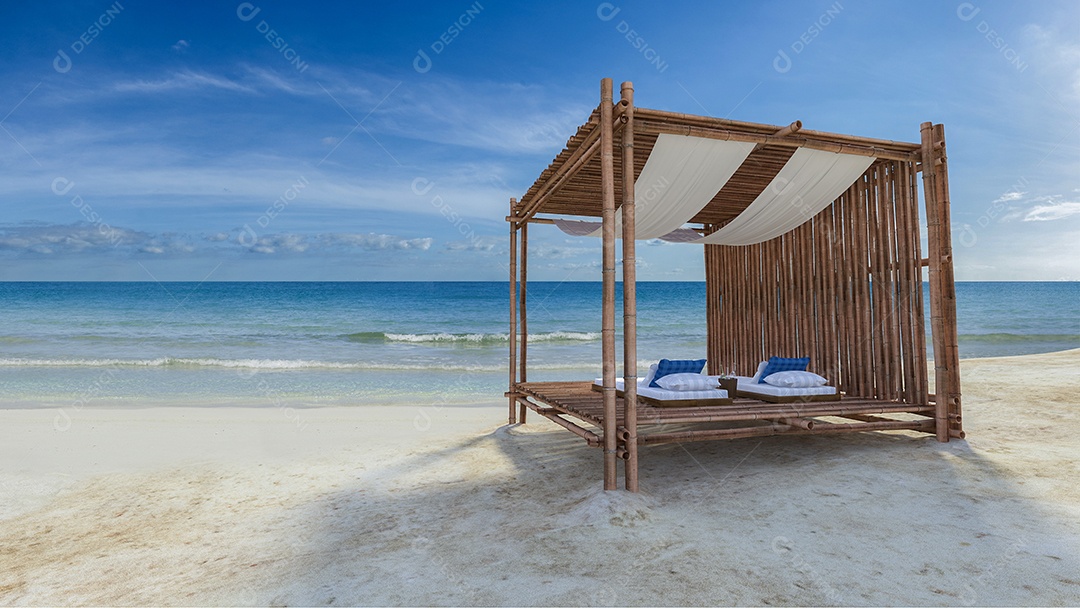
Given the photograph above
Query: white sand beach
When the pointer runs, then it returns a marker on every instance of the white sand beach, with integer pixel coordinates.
(435, 506)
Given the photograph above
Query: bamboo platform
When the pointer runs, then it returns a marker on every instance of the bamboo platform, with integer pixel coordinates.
(750, 418)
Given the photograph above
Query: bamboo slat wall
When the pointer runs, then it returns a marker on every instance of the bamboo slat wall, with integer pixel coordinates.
(844, 289)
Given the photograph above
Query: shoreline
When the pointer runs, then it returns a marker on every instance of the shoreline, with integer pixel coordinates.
(447, 505)
(272, 399)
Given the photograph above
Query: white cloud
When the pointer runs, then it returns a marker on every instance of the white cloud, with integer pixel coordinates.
(186, 80)
(181, 46)
(372, 241)
(558, 252)
(84, 238)
(1052, 211)
(485, 244)
(1010, 197)
(289, 243)
(81, 237)
(1058, 57)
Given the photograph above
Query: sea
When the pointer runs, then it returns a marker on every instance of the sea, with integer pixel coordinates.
(76, 345)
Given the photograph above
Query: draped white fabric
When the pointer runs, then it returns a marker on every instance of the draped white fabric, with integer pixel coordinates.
(681, 176)
(810, 181)
(684, 173)
(578, 227)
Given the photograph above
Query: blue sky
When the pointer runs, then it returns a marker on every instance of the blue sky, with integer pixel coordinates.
(382, 141)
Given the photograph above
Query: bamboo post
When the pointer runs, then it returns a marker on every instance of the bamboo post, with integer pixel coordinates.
(607, 171)
(512, 391)
(937, 331)
(942, 286)
(629, 290)
(948, 284)
(522, 374)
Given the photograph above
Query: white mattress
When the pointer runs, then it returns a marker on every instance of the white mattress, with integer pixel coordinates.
(662, 394)
(748, 384)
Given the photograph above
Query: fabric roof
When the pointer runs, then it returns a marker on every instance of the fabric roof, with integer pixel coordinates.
(571, 186)
(683, 174)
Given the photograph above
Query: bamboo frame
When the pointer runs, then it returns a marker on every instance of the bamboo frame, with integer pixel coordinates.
(524, 321)
(845, 288)
(607, 187)
(512, 393)
(942, 284)
(629, 243)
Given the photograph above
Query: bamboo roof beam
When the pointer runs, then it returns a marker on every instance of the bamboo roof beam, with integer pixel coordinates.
(646, 126)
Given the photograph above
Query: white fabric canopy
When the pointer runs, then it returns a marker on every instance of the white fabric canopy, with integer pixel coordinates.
(681, 176)
(810, 181)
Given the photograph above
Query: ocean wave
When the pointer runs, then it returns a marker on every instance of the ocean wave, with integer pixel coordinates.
(476, 339)
(1007, 338)
(278, 364)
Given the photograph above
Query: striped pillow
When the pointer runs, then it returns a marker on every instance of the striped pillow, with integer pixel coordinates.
(782, 364)
(678, 366)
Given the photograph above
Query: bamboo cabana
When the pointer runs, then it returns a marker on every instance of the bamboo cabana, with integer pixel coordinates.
(812, 248)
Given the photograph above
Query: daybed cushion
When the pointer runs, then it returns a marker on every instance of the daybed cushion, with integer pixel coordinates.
(662, 394)
(678, 366)
(749, 385)
(783, 364)
(687, 382)
(795, 379)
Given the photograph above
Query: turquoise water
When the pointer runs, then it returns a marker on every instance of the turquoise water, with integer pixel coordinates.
(304, 344)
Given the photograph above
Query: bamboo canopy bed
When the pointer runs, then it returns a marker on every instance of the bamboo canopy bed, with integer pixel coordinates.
(812, 248)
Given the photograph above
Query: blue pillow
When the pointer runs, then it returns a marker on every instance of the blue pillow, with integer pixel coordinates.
(678, 366)
(781, 364)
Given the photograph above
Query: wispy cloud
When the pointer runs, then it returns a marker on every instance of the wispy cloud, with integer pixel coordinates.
(1038, 209)
(39, 239)
(80, 237)
(372, 241)
(186, 80)
(1052, 211)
